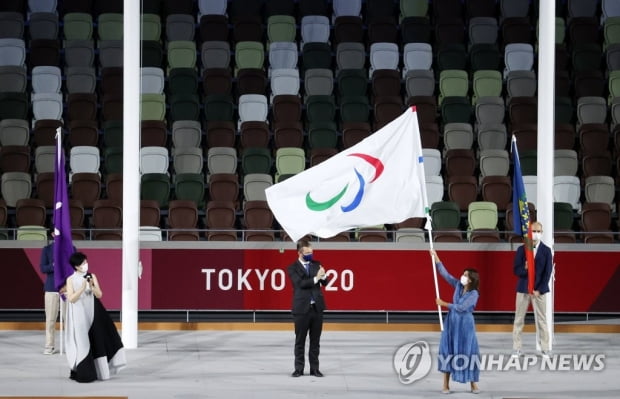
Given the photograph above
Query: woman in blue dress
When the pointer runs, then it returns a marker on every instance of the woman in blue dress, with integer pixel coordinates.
(458, 348)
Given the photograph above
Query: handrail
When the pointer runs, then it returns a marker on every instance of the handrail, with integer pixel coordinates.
(10, 233)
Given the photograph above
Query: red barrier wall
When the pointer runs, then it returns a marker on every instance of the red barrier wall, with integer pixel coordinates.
(376, 280)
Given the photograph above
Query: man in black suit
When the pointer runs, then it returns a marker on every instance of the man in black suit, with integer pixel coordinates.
(307, 277)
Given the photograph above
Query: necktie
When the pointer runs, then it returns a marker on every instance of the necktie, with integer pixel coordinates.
(307, 266)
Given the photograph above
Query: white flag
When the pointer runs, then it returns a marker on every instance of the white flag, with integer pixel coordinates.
(379, 180)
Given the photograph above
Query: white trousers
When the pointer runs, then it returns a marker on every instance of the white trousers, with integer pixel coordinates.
(539, 304)
(52, 307)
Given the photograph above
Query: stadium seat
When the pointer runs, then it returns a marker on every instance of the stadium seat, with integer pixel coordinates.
(596, 223)
(182, 221)
(46, 79)
(496, 189)
(314, 28)
(254, 186)
(80, 79)
(180, 27)
(289, 161)
(85, 187)
(213, 27)
(563, 220)
(463, 190)
(482, 219)
(15, 158)
(446, 221)
(11, 24)
(30, 212)
(190, 187)
(221, 160)
(106, 220)
(155, 186)
(14, 132)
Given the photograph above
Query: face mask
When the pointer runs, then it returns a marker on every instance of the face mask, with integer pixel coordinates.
(536, 236)
(84, 268)
(464, 280)
(307, 257)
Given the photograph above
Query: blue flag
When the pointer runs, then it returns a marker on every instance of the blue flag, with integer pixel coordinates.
(63, 242)
(520, 210)
(521, 214)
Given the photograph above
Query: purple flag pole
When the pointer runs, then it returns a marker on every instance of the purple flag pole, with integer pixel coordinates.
(63, 242)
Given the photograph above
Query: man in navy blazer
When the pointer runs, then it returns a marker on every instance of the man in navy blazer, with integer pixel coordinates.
(307, 276)
(543, 266)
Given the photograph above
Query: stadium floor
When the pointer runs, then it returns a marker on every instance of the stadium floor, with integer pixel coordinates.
(256, 362)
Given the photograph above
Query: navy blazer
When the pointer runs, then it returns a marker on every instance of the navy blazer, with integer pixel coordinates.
(46, 265)
(543, 265)
(304, 288)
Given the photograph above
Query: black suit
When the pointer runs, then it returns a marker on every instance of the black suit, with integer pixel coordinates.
(308, 317)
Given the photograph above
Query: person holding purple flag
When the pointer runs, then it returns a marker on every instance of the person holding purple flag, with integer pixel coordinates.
(51, 298)
(55, 256)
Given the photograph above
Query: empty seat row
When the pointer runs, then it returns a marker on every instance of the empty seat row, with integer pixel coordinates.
(483, 223)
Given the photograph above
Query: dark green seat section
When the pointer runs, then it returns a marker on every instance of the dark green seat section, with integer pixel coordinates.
(190, 186)
(14, 106)
(218, 107)
(322, 134)
(155, 186)
(256, 160)
(182, 81)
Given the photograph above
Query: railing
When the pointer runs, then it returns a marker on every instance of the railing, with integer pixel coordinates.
(360, 235)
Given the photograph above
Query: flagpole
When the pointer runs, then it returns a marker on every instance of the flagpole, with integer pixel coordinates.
(57, 168)
(62, 335)
(428, 224)
(58, 160)
(430, 241)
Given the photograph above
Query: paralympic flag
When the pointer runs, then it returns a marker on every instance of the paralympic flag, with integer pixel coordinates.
(521, 216)
(63, 241)
(379, 180)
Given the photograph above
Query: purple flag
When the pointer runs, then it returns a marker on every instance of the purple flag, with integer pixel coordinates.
(63, 242)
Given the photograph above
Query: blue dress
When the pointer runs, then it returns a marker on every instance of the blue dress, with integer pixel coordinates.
(458, 348)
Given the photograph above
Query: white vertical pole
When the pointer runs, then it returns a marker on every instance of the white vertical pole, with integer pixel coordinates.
(61, 300)
(61, 303)
(546, 134)
(430, 242)
(417, 151)
(131, 174)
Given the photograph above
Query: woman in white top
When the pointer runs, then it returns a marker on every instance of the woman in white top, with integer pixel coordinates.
(94, 347)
